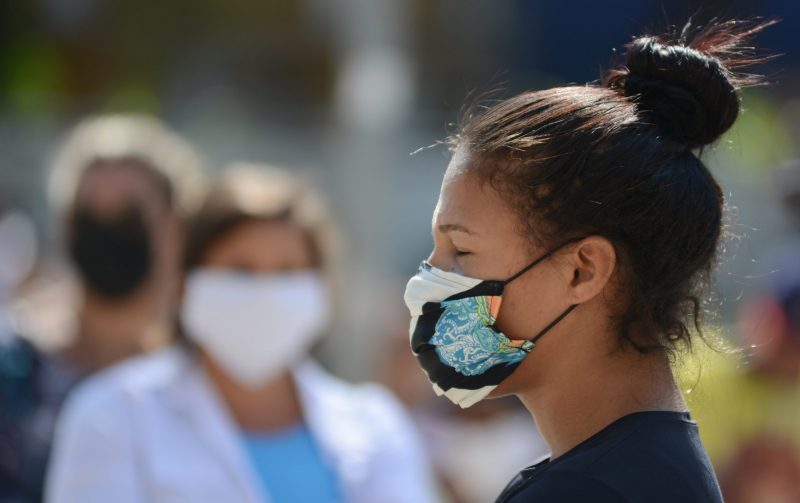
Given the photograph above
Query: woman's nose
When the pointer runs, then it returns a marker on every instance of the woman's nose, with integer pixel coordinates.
(441, 260)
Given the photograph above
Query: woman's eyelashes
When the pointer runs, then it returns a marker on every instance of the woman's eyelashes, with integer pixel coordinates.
(462, 253)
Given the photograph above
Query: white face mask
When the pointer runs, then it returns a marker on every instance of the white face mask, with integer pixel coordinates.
(254, 325)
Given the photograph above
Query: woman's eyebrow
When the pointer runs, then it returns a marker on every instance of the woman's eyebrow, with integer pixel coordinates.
(445, 228)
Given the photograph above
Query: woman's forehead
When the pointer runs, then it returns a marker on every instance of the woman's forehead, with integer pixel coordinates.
(468, 204)
(262, 242)
(109, 185)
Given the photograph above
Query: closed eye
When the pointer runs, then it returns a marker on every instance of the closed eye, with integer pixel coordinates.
(461, 253)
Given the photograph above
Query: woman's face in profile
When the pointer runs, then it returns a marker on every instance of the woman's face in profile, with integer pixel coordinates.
(476, 234)
(261, 246)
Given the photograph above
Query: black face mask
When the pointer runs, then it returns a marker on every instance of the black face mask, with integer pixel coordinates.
(114, 256)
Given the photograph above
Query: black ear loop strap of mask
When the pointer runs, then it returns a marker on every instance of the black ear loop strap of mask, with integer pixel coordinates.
(540, 259)
(529, 344)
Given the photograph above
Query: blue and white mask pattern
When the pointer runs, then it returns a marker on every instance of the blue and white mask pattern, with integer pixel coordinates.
(466, 340)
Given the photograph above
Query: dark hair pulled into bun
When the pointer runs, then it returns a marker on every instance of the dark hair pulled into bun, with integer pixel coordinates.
(686, 84)
(618, 160)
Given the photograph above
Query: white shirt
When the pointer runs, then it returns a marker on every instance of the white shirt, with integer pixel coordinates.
(152, 429)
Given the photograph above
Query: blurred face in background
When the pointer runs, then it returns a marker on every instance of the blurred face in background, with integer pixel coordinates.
(769, 331)
(122, 230)
(257, 291)
(257, 301)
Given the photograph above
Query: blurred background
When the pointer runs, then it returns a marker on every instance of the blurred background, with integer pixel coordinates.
(355, 95)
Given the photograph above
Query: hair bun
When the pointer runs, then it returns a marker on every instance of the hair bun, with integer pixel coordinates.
(688, 89)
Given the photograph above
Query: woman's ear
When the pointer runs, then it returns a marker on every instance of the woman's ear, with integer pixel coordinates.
(593, 261)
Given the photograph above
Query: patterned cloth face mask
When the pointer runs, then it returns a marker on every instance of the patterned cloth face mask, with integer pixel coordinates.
(453, 333)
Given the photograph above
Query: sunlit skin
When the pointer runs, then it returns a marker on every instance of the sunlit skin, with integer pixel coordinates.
(259, 247)
(113, 329)
(576, 380)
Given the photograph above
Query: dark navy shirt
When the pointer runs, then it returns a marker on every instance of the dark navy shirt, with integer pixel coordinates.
(648, 457)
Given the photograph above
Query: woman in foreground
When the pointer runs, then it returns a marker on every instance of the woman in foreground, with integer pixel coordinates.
(587, 211)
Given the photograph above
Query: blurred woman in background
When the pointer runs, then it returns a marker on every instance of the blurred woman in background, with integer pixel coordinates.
(572, 236)
(239, 411)
(120, 188)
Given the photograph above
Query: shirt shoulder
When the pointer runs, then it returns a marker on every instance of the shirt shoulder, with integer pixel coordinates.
(654, 457)
(369, 403)
(128, 381)
(564, 487)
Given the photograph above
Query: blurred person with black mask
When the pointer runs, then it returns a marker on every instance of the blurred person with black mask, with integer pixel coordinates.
(119, 188)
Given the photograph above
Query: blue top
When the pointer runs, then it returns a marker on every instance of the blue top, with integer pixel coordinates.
(653, 457)
(291, 468)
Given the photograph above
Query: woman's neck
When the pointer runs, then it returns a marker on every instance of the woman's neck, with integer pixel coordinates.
(275, 406)
(580, 398)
